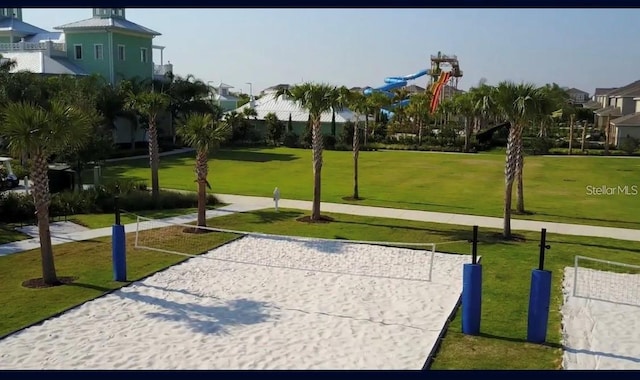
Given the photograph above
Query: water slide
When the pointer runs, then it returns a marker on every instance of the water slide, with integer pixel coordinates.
(393, 83)
(437, 90)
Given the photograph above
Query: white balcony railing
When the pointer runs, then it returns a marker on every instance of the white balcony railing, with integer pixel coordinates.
(161, 70)
(53, 47)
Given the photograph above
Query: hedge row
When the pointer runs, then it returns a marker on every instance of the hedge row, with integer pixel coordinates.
(19, 207)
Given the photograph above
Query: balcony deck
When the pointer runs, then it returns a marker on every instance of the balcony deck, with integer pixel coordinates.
(53, 48)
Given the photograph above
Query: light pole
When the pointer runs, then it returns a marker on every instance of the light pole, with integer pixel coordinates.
(210, 89)
(250, 90)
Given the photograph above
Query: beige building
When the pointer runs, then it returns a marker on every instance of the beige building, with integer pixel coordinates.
(621, 108)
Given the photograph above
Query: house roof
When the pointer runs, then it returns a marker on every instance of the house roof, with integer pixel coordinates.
(608, 111)
(18, 26)
(57, 37)
(276, 87)
(576, 91)
(604, 90)
(621, 91)
(108, 22)
(414, 88)
(632, 120)
(591, 104)
(285, 107)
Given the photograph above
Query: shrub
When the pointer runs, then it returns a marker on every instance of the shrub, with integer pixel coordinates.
(629, 145)
(329, 142)
(291, 140)
(539, 145)
(133, 196)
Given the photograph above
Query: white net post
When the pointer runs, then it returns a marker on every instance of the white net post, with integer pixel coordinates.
(137, 231)
(433, 254)
(575, 275)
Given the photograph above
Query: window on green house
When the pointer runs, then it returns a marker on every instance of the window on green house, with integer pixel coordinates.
(121, 55)
(98, 52)
(143, 55)
(77, 49)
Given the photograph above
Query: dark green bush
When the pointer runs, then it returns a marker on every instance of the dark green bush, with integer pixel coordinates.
(133, 196)
(291, 140)
(329, 142)
(629, 145)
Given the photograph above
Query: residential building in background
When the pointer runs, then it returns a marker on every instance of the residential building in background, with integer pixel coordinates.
(106, 44)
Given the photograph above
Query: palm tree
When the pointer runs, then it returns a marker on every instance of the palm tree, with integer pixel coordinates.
(150, 105)
(316, 99)
(41, 132)
(516, 104)
(203, 132)
(358, 104)
(418, 111)
(464, 104)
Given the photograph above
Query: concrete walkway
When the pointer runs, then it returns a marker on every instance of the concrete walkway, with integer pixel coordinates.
(242, 203)
(29, 244)
(440, 217)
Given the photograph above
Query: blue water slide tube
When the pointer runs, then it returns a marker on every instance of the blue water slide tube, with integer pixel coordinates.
(391, 84)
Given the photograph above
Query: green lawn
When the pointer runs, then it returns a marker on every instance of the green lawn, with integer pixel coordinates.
(555, 187)
(106, 220)
(506, 265)
(8, 234)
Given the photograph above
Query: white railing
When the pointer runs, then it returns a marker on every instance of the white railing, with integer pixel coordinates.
(33, 46)
(162, 69)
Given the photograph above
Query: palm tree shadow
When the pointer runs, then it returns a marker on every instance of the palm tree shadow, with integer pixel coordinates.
(202, 316)
(632, 225)
(633, 359)
(232, 155)
(517, 340)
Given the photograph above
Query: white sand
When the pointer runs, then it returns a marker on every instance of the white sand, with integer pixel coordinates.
(212, 314)
(601, 333)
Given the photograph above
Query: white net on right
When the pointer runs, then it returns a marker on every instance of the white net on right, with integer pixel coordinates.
(293, 252)
(606, 280)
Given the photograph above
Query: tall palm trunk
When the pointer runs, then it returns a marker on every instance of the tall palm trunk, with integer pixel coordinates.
(154, 158)
(366, 127)
(467, 134)
(509, 176)
(571, 121)
(317, 167)
(584, 135)
(606, 135)
(202, 169)
(356, 152)
(519, 170)
(42, 200)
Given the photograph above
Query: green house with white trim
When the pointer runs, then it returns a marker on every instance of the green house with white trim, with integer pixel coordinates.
(106, 44)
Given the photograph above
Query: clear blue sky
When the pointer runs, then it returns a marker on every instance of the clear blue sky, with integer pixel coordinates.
(583, 48)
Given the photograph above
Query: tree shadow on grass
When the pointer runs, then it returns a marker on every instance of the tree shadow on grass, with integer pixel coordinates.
(631, 225)
(517, 340)
(233, 155)
(450, 234)
(616, 247)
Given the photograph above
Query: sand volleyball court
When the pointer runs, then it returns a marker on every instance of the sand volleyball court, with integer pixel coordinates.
(601, 324)
(214, 314)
